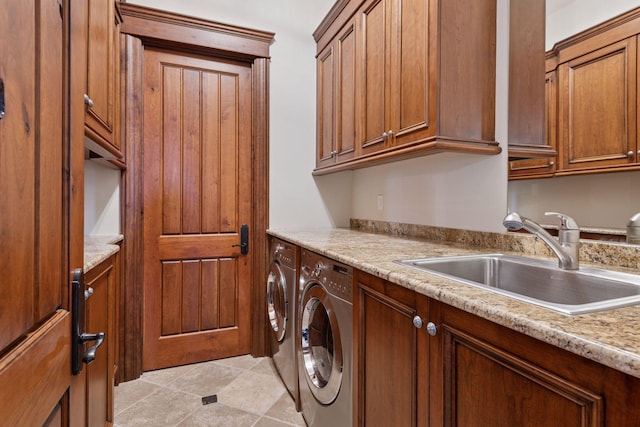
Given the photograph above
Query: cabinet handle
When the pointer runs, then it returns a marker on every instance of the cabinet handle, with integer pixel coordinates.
(88, 101)
(638, 150)
(551, 163)
(88, 292)
(390, 133)
(333, 153)
(630, 154)
(432, 329)
(417, 322)
(384, 136)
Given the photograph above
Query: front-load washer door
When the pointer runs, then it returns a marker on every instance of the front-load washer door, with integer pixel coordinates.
(320, 344)
(277, 303)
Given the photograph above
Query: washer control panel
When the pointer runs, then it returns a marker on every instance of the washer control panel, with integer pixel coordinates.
(337, 278)
(285, 253)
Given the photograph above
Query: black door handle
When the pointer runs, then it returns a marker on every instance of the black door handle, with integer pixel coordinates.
(78, 336)
(244, 239)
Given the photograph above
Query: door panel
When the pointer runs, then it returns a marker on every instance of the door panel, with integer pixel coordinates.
(35, 337)
(197, 194)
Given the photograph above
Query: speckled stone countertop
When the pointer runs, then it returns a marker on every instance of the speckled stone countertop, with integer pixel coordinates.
(99, 248)
(609, 337)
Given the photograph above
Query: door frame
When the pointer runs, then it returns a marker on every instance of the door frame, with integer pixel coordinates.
(144, 27)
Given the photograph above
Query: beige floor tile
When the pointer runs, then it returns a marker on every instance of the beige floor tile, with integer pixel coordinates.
(206, 379)
(270, 422)
(252, 392)
(218, 415)
(284, 409)
(128, 393)
(244, 362)
(164, 407)
(165, 376)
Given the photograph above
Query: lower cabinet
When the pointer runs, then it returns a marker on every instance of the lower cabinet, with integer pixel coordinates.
(458, 369)
(100, 316)
(390, 354)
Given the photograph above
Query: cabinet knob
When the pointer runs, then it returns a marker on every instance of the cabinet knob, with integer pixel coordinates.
(390, 133)
(638, 152)
(384, 135)
(630, 154)
(432, 329)
(88, 292)
(333, 153)
(417, 322)
(88, 101)
(551, 163)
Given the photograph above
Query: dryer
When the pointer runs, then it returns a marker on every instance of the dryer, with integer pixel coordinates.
(325, 341)
(282, 283)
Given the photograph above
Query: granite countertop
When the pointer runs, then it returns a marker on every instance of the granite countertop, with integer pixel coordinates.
(611, 337)
(99, 248)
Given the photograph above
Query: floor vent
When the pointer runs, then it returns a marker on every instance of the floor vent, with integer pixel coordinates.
(210, 399)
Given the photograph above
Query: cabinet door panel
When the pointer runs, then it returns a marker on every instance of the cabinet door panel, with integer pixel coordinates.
(373, 76)
(346, 95)
(325, 128)
(514, 392)
(410, 72)
(597, 108)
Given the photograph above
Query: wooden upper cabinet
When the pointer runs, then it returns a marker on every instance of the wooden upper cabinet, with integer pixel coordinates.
(424, 78)
(336, 118)
(545, 166)
(597, 108)
(101, 98)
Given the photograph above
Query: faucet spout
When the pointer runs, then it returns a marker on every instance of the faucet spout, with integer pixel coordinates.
(566, 247)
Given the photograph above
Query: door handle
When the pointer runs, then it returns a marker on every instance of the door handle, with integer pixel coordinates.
(244, 240)
(78, 335)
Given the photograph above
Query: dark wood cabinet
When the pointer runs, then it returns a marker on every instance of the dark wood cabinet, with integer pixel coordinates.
(336, 99)
(424, 80)
(457, 369)
(101, 316)
(491, 375)
(598, 108)
(103, 78)
(591, 98)
(390, 356)
(542, 167)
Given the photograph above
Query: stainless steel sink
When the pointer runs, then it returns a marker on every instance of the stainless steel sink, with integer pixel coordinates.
(538, 282)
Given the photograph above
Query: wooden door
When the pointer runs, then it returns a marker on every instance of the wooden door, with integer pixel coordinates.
(597, 108)
(35, 337)
(197, 195)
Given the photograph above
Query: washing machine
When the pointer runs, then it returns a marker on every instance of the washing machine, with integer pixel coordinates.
(282, 283)
(325, 341)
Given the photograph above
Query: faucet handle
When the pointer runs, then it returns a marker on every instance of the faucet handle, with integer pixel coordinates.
(566, 222)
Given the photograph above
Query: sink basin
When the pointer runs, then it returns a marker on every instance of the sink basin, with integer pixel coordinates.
(538, 282)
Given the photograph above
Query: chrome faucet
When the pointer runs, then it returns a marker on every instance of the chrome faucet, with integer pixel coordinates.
(566, 247)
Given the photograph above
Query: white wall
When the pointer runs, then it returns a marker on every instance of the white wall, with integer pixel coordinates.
(602, 200)
(101, 199)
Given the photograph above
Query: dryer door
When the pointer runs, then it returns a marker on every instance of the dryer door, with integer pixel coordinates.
(277, 303)
(321, 344)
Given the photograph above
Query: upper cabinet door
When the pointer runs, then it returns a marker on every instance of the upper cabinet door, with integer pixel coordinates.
(597, 108)
(409, 72)
(336, 124)
(374, 74)
(102, 78)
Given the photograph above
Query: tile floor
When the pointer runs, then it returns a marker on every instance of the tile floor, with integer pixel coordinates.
(249, 394)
